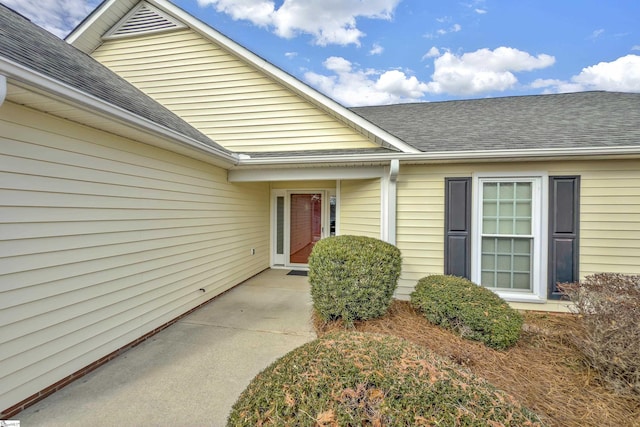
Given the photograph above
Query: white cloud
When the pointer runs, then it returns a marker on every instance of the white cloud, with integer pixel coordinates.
(433, 53)
(291, 55)
(481, 11)
(621, 75)
(556, 86)
(597, 33)
(483, 70)
(636, 47)
(376, 49)
(328, 21)
(354, 87)
(257, 11)
(444, 31)
(56, 16)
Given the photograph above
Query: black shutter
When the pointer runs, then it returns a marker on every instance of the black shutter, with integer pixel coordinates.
(457, 223)
(564, 227)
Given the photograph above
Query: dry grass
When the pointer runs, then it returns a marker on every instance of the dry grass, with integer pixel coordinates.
(544, 371)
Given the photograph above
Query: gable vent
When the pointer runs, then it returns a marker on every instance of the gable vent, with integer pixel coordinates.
(143, 19)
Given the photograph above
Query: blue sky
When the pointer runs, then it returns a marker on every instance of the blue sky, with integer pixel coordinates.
(375, 52)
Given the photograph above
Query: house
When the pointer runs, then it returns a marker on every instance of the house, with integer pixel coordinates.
(149, 163)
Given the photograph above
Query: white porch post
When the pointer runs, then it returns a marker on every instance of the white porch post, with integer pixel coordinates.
(389, 202)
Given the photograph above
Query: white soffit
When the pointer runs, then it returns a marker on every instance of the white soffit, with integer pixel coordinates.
(143, 19)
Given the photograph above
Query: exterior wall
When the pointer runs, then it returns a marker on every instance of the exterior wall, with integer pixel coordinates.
(228, 100)
(609, 216)
(360, 207)
(104, 239)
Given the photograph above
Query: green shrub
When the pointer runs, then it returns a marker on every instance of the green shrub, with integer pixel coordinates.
(472, 311)
(358, 379)
(609, 309)
(353, 277)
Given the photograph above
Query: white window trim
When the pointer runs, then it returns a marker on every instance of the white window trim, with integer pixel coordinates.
(540, 218)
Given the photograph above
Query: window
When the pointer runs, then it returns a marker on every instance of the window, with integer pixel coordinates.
(517, 234)
(508, 238)
(506, 235)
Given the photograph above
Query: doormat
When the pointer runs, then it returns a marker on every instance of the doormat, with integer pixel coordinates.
(297, 273)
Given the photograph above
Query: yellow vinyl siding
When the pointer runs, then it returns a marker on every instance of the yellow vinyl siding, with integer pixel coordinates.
(609, 215)
(360, 207)
(228, 100)
(104, 239)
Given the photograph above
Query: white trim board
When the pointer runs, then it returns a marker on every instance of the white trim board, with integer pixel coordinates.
(307, 174)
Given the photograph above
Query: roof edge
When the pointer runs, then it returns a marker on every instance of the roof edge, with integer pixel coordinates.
(451, 156)
(77, 32)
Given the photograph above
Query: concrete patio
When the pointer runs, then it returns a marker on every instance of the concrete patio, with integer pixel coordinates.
(191, 373)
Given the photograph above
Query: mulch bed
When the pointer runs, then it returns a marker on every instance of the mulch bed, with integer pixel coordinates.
(544, 371)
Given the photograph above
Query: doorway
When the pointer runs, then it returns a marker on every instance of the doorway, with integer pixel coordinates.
(301, 219)
(305, 226)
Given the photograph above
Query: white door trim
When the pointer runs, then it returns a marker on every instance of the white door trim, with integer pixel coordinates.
(283, 260)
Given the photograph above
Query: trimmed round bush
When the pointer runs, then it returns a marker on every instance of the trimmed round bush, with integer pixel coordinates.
(353, 277)
(472, 311)
(357, 379)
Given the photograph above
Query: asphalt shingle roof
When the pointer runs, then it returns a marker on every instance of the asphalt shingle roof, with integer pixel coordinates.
(35, 48)
(585, 119)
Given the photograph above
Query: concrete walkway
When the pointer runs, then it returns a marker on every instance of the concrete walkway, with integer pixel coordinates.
(191, 373)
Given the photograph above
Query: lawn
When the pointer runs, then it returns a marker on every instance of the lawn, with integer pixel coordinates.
(544, 370)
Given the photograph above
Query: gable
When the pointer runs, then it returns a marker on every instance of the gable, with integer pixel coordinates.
(225, 98)
(143, 19)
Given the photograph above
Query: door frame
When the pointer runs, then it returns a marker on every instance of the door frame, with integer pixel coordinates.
(283, 260)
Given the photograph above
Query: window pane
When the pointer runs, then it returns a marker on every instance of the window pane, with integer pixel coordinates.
(489, 226)
(489, 209)
(488, 279)
(506, 190)
(523, 209)
(506, 209)
(490, 190)
(506, 263)
(523, 227)
(504, 245)
(279, 225)
(521, 281)
(522, 246)
(521, 263)
(523, 190)
(488, 261)
(505, 226)
(488, 245)
(503, 280)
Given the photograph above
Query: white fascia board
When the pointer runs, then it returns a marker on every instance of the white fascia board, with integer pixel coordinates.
(283, 77)
(448, 156)
(3, 89)
(307, 174)
(47, 85)
(95, 16)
